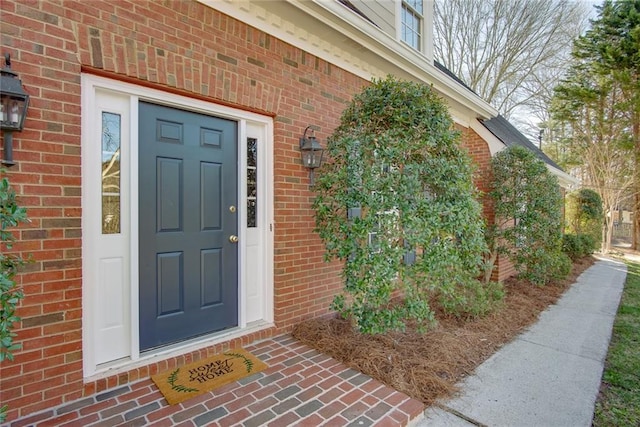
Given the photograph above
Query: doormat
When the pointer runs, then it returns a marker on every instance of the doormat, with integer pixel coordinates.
(199, 377)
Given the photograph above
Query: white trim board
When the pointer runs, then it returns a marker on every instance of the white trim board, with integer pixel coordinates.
(330, 31)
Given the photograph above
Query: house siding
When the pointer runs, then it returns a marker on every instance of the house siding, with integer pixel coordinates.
(382, 13)
(182, 47)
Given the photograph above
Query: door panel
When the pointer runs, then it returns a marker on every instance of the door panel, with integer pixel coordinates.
(188, 266)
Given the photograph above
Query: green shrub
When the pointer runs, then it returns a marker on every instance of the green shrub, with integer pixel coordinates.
(397, 203)
(544, 266)
(528, 210)
(572, 246)
(476, 299)
(589, 244)
(560, 266)
(584, 214)
(577, 246)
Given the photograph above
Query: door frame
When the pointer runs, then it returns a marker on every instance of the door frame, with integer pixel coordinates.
(250, 125)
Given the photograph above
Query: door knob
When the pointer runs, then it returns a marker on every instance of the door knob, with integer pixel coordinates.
(233, 238)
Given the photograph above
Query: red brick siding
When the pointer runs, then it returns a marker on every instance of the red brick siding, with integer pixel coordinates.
(481, 155)
(180, 46)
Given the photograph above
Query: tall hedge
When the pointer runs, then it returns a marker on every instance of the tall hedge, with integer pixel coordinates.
(397, 204)
(584, 214)
(528, 210)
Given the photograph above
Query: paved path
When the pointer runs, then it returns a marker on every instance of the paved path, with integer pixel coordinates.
(548, 376)
(301, 387)
(551, 374)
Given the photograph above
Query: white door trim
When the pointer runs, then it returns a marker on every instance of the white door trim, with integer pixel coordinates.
(250, 125)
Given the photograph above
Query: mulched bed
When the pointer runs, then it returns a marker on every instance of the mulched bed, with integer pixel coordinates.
(428, 366)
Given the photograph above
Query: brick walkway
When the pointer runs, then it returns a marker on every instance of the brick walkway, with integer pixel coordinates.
(301, 387)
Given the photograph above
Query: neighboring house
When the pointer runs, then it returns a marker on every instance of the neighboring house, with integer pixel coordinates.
(623, 222)
(623, 216)
(170, 212)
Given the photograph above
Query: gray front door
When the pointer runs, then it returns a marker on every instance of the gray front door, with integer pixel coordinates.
(187, 200)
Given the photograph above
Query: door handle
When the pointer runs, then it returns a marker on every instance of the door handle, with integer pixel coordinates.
(233, 238)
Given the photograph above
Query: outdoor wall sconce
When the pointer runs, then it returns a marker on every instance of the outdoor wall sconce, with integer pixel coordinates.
(14, 102)
(311, 152)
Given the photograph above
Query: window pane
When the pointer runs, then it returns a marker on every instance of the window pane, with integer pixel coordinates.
(252, 208)
(252, 182)
(110, 173)
(252, 189)
(411, 23)
(252, 152)
(416, 5)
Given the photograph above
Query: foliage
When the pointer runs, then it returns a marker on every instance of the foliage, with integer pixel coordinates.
(588, 207)
(476, 299)
(612, 47)
(10, 215)
(619, 402)
(528, 210)
(397, 204)
(584, 214)
(577, 246)
(598, 106)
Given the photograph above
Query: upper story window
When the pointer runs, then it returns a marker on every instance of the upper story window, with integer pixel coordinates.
(412, 23)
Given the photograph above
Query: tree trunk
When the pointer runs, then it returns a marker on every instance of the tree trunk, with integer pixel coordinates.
(635, 230)
(607, 230)
(603, 241)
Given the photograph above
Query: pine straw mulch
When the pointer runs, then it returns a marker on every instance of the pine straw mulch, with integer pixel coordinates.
(428, 366)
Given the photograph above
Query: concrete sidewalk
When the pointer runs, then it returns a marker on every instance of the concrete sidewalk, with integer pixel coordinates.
(551, 374)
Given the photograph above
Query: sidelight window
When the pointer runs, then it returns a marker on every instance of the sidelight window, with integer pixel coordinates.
(111, 141)
(252, 182)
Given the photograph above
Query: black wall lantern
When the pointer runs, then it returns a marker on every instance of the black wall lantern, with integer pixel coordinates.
(310, 152)
(14, 102)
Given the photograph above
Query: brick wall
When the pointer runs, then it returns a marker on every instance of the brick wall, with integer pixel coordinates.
(481, 155)
(178, 46)
(479, 151)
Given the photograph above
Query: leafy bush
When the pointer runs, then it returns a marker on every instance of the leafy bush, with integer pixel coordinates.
(528, 210)
(585, 215)
(559, 265)
(577, 246)
(10, 295)
(589, 244)
(476, 299)
(572, 246)
(397, 204)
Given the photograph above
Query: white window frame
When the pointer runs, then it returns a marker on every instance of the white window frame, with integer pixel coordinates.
(400, 24)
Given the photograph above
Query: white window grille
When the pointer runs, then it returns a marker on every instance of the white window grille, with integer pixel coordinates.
(412, 23)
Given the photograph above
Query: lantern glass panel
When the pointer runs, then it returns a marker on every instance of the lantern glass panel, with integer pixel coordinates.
(12, 111)
(316, 158)
(310, 159)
